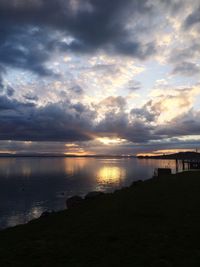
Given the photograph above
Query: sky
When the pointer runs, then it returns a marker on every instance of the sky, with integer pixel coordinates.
(118, 77)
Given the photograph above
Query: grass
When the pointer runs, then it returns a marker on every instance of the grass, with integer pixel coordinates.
(155, 223)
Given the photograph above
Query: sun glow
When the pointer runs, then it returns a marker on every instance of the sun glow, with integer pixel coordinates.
(71, 145)
(75, 149)
(110, 141)
(77, 153)
(7, 152)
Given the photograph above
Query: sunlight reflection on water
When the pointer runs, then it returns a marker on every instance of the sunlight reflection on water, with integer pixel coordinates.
(111, 175)
(30, 186)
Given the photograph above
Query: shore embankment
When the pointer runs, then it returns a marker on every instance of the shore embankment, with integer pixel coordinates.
(151, 223)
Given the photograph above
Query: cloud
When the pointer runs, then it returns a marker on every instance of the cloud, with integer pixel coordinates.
(117, 124)
(53, 122)
(65, 121)
(134, 85)
(77, 90)
(186, 124)
(186, 68)
(31, 30)
(10, 91)
(24, 48)
(149, 112)
(111, 104)
(2, 72)
(31, 97)
(68, 122)
(189, 52)
(171, 102)
(139, 50)
(69, 69)
(192, 19)
(177, 44)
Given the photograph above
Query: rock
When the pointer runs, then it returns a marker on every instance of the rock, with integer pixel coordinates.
(136, 183)
(74, 201)
(45, 214)
(94, 194)
(163, 171)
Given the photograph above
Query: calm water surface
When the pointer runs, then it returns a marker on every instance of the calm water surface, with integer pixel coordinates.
(29, 186)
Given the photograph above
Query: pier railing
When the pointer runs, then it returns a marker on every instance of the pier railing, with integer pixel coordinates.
(188, 164)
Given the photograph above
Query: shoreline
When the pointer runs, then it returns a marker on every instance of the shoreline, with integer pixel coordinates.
(148, 223)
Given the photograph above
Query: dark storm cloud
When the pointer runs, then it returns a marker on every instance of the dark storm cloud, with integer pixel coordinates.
(27, 31)
(102, 26)
(61, 121)
(118, 125)
(64, 121)
(136, 49)
(23, 47)
(140, 132)
(8, 105)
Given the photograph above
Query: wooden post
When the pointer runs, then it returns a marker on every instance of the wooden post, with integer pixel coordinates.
(176, 165)
(183, 164)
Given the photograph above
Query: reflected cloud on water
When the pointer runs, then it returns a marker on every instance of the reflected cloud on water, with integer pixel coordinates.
(71, 166)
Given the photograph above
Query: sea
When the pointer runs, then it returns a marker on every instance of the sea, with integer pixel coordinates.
(30, 186)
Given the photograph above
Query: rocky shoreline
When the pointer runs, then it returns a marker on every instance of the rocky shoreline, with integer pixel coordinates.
(150, 223)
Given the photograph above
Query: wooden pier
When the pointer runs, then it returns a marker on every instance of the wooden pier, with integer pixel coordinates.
(188, 164)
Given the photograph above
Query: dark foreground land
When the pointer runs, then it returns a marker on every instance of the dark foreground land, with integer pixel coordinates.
(153, 223)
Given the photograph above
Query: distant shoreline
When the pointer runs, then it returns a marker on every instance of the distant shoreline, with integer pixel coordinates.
(176, 156)
(65, 156)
